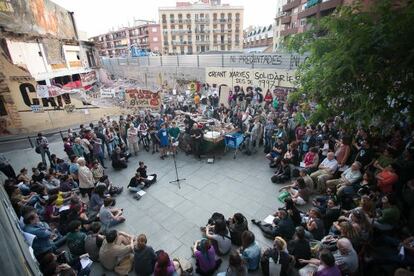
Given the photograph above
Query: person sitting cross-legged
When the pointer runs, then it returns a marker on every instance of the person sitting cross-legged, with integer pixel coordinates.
(116, 252)
(110, 216)
(148, 179)
(325, 171)
(136, 184)
(205, 256)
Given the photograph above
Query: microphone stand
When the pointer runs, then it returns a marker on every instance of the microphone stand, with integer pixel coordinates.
(177, 179)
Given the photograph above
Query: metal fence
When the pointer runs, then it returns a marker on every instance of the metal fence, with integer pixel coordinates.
(272, 60)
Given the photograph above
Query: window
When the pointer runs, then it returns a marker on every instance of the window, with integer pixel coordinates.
(155, 39)
(3, 110)
(154, 29)
(303, 22)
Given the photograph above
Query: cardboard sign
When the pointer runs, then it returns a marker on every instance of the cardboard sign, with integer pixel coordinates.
(142, 98)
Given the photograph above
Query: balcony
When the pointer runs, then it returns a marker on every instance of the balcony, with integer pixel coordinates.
(202, 31)
(309, 12)
(201, 21)
(288, 32)
(291, 5)
(315, 7)
(330, 4)
(285, 19)
(178, 42)
(203, 42)
(121, 45)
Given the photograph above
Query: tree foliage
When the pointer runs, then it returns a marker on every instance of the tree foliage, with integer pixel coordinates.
(361, 62)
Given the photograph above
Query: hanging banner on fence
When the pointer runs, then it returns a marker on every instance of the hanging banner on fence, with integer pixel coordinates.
(142, 98)
(88, 78)
(244, 77)
(50, 91)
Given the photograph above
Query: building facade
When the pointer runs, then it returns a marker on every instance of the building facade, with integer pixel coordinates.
(46, 69)
(258, 39)
(201, 27)
(297, 12)
(144, 35)
(278, 26)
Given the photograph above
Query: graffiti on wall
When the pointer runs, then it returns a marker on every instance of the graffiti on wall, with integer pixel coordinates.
(142, 98)
(263, 78)
(290, 61)
(88, 78)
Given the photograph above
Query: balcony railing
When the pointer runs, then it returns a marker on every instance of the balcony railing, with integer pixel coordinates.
(291, 5)
(289, 31)
(202, 20)
(330, 4)
(316, 7)
(285, 19)
(201, 31)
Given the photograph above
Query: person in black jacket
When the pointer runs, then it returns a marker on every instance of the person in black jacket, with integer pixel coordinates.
(147, 179)
(282, 226)
(144, 257)
(282, 174)
(299, 247)
(237, 225)
(278, 256)
(119, 161)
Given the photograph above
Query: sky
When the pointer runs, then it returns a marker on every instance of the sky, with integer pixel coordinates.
(99, 16)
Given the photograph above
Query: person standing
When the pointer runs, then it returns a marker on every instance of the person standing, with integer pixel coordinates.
(197, 135)
(174, 133)
(132, 134)
(86, 181)
(97, 147)
(164, 141)
(6, 168)
(42, 147)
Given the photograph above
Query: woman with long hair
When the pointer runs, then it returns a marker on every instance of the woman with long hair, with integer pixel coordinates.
(250, 251)
(164, 266)
(205, 256)
(237, 266)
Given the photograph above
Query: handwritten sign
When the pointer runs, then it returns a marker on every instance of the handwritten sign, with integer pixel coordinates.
(107, 92)
(243, 77)
(142, 98)
(277, 61)
(88, 78)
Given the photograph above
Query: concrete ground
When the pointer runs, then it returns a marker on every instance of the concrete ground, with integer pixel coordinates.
(170, 216)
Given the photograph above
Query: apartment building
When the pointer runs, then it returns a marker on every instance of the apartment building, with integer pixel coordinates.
(207, 25)
(258, 39)
(278, 26)
(296, 13)
(143, 34)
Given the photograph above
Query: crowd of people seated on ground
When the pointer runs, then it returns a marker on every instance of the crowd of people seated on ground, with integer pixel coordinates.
(348, 194)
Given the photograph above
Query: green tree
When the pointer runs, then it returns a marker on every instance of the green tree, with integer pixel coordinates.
(360, 64)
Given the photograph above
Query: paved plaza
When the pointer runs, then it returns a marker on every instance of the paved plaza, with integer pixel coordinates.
(171, 217)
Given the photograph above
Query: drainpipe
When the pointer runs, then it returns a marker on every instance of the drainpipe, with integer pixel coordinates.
(74, 25)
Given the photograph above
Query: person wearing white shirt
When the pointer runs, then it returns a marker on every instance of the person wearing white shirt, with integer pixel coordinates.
(348, 177)
(325, 172)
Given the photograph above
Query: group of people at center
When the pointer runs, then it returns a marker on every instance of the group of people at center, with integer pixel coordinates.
(347, 193)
